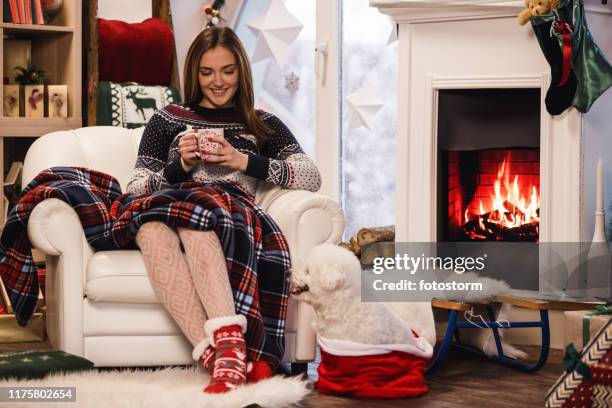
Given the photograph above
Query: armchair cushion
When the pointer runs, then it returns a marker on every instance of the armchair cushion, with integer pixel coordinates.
(121, 277)
(118, 276)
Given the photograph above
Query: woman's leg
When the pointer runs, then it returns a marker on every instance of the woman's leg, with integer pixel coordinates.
(225, 328)
(209, 271)
(173, 284)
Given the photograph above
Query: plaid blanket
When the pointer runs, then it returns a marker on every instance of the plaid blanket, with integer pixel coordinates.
(255, 249)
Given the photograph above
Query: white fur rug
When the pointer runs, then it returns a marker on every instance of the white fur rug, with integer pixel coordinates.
(165, 388)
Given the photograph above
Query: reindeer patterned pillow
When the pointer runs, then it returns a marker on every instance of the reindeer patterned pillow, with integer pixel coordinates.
(131, 105)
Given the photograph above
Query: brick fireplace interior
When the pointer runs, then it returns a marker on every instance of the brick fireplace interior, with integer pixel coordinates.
(488, 165)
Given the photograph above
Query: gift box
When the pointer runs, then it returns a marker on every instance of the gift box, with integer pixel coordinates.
(587, 381)
(581, 326)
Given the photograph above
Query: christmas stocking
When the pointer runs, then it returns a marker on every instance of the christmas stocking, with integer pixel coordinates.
(580, 72)
(593, 71)
(563, 80)
(226, 335)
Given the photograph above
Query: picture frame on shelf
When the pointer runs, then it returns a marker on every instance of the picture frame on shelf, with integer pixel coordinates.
(11, 101)
(34, 98)
(57, 101)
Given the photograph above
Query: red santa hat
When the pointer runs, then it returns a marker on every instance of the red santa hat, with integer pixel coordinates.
(373, 371)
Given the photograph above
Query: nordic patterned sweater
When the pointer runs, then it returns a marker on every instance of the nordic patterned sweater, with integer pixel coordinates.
(280, 160)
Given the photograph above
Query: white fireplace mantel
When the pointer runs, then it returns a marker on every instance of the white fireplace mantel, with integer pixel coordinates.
(475, 45)
(420, 11)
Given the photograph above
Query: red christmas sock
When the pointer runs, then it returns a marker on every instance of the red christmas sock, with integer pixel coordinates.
(229, 369)
(257, 371)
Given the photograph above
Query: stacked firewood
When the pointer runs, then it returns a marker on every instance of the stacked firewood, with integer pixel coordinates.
(367, 236)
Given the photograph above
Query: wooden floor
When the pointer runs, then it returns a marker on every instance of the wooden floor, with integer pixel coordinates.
(464, 380)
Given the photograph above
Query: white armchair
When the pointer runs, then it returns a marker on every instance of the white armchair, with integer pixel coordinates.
(100, 305)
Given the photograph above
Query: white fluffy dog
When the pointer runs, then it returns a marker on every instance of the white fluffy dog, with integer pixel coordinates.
(330, 281)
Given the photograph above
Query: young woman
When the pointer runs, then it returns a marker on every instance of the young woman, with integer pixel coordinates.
(194, 286)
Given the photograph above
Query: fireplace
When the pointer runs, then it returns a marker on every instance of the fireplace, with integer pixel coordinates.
(489, 165)
(465, 51)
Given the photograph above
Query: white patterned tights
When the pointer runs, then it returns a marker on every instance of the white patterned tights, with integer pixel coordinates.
(193, 286)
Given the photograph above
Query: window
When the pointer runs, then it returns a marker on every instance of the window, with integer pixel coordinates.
(368, 155)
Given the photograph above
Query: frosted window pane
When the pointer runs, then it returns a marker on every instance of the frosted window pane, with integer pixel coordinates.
(295, 107)
(368, 165)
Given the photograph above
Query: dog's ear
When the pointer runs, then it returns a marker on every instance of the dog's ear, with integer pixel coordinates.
(331, 278)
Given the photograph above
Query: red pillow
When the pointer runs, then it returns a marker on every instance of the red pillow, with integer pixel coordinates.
(139, 52)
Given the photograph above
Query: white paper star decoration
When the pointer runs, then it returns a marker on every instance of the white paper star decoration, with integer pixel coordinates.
(276, 30)
(364, 104)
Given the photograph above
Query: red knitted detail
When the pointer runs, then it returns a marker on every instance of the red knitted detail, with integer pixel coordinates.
(208, 358)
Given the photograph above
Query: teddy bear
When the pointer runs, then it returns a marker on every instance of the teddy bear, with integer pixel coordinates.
(536, 8)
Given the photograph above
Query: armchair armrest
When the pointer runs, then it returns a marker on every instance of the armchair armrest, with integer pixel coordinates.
(307, 219)
(55, 229)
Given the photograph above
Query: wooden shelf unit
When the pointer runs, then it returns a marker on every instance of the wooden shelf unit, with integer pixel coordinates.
(56, 48)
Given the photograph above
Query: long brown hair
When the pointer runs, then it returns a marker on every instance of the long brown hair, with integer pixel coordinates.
(244, 98)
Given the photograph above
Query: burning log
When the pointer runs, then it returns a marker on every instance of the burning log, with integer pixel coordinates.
(492, 231)
(511, 207)
(523, 233)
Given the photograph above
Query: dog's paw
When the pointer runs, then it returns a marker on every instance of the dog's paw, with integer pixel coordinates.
(509, 350)
(512, 352)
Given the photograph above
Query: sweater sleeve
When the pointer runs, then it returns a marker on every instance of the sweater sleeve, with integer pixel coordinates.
(153, 171)
(282, 160)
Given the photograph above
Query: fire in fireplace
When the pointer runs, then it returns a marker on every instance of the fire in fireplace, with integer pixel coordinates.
(493, 195)
(510, 213)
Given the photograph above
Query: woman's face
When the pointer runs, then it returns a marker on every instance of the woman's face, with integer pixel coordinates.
(218, 77)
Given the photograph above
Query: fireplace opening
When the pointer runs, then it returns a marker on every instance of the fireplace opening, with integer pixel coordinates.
(489, 165)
